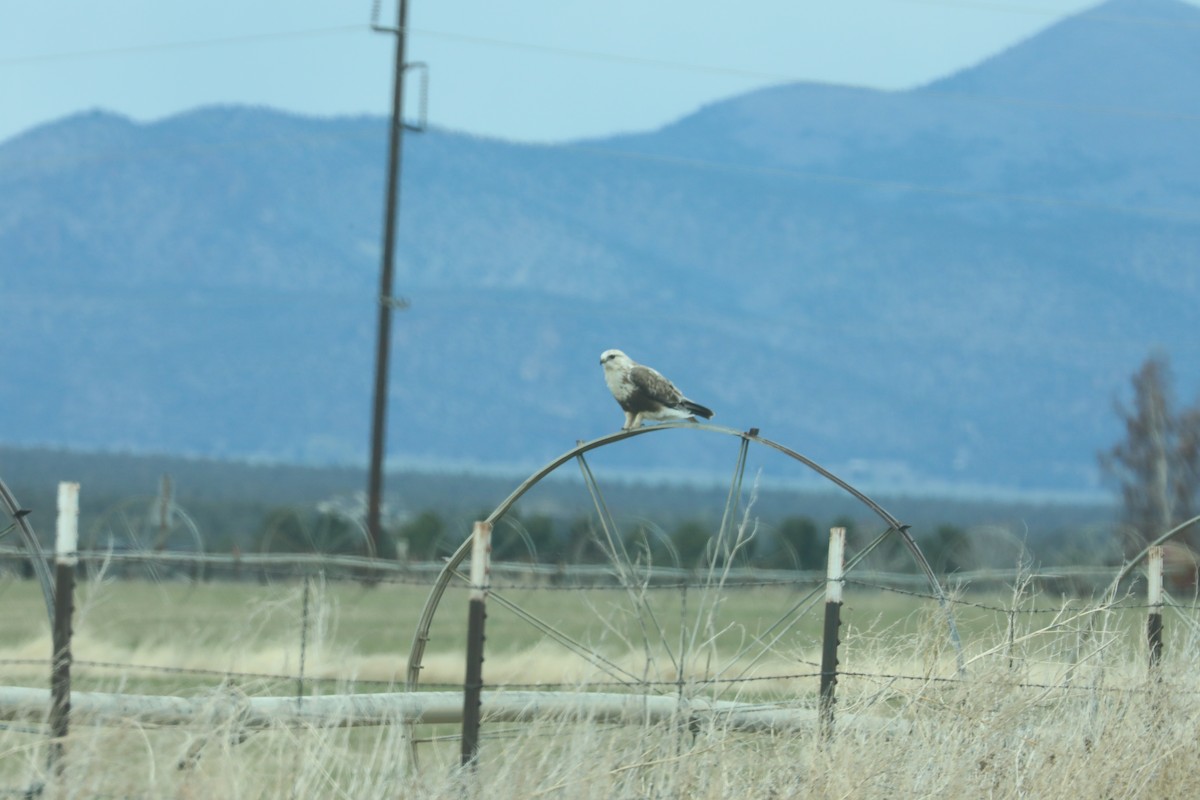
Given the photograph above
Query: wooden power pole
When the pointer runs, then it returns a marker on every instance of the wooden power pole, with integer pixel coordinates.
(386, 302)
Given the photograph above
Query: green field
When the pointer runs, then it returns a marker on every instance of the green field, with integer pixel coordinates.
(1055, 701)
(357, 632)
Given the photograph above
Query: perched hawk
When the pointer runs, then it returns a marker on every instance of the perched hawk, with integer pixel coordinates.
(645, 394)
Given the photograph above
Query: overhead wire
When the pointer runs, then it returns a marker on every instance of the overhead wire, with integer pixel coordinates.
(783, 77)
(650, 61)
(184, 44)
(693, 163)
(977, 5)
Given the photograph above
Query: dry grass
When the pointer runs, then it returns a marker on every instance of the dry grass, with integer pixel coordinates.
(1062, 706)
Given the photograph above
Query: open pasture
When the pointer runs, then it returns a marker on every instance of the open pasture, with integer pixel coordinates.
(1056, 698)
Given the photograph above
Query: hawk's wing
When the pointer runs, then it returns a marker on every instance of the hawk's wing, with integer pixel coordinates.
(654, 386)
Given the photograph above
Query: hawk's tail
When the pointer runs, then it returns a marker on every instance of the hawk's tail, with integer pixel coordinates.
(697, 409)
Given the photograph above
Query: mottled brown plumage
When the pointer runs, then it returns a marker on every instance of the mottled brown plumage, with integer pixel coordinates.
(644, 394)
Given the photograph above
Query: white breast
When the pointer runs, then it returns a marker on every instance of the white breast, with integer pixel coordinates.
(618, 383)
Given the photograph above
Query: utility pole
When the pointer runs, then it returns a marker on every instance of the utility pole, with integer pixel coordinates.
(386, 301)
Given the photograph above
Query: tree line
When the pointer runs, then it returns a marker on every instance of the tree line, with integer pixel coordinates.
(794, 542)
(1154, 468)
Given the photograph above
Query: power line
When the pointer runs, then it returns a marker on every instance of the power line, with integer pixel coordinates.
(648, 61)
(785, 77)
(793, 77)
(695, 67)
(186, 44)
(1057, 14)
(565, 50)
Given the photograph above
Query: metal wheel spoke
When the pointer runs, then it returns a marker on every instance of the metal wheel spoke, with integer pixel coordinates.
(578, 648)
(909, 542)
(792, 616)
(721, 550)
(735, 490)
(624, 567)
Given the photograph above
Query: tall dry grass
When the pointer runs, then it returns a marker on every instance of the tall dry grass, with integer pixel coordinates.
(983, 737)
(1060, 704)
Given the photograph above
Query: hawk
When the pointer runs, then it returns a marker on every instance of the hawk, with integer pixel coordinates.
(644, 393)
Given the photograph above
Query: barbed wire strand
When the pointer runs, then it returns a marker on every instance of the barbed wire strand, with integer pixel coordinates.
(670, 685)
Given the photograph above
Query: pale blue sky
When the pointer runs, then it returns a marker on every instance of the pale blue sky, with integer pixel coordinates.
(531, 70)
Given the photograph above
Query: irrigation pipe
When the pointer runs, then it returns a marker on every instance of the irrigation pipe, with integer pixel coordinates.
(364, 710)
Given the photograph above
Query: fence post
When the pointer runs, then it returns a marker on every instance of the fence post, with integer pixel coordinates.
(481, 548)
(833, 621)
(66, 549)
(1154, 599)
(303, 641)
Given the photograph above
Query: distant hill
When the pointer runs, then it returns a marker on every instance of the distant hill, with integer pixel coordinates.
(930, 289)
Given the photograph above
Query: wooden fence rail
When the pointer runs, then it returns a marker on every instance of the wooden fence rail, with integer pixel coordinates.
(386, 708)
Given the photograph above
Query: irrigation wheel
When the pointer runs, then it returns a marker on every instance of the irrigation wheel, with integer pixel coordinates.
(641, 644)
(136, 530)
(16, 518)
(326, 533)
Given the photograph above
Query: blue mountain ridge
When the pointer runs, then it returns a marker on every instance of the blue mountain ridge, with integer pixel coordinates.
(937, 289)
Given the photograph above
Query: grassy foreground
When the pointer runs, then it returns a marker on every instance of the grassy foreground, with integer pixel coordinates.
(1058, 704)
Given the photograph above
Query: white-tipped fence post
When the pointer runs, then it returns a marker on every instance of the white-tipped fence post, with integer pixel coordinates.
(481, 550)
(1154, 599)
(66, 555)
(834, 571)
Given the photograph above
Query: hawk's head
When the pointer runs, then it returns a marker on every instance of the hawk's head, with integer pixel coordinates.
(615, 360)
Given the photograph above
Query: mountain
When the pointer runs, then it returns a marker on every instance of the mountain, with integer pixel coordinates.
(1086, 111)
(1122, 56)
(941, 287)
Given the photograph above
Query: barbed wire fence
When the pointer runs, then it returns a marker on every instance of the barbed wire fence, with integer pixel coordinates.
(308, 569)
(971, 593)
(682, 676)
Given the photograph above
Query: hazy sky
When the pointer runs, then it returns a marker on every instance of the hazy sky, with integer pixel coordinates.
(532, 70)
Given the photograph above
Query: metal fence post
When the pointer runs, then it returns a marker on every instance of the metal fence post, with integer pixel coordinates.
(303, 640)
(481, 548)
(65, 557)
(834, 570)
(1154, 599)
